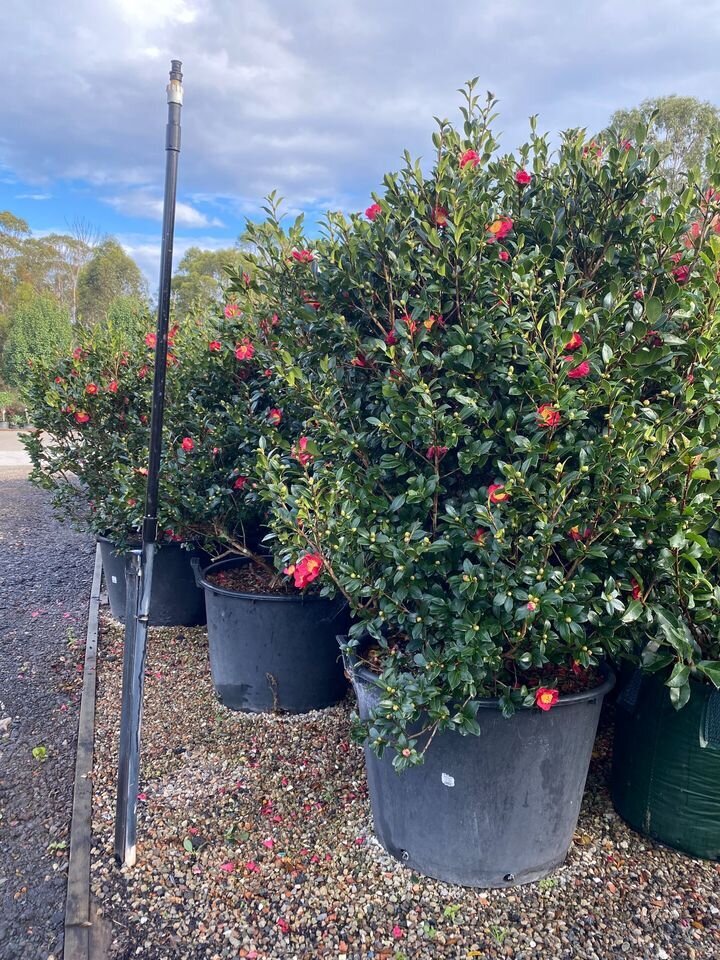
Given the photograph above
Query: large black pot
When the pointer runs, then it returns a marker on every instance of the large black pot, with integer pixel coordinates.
(492, 810)
(175, 600)
(666, 765)
(271, 653)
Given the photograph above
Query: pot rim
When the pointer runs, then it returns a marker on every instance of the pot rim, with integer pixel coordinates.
(269, 597)
(493, 703)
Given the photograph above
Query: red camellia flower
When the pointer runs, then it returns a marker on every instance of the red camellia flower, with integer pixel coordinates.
(112, 386)
(681, 273)
(439, 216)
(373, 210)
(214, 346)
(232, 310)
(436, 452)
(143, 372)
(78, 353)
(245, 350)
(479, 536)
(59, 380)
(303, 256)
(307, 569)
(391, 339)
(360, 361)
(171, 359)
(546, 697)
(504, 256)
(592, 147)
(497, 494)
(636, 590)
(469, 157)
(531, 606)
(432, 320)
(299, 451)
(188, 444)
(523, 178)
(575, 342)
(639, 294)
(499, 229)
(240, 483)
(275, 416)
(81, 416)
(548, 415)
(576, 534)
(91, 389)
(577, 373)
(410, 324)
(150, 339)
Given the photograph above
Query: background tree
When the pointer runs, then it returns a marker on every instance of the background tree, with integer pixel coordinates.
(109, 274)
(202, 277)
(680, 129)
(40, 328)
(13, 231)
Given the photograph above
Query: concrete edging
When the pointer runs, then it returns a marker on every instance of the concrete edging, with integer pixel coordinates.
(78, 920)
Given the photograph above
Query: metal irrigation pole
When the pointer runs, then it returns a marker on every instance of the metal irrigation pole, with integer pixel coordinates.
(139, 570)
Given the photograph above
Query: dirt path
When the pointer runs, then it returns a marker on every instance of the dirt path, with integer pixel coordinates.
(45, 575)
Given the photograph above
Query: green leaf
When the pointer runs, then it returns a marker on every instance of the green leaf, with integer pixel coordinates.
(187, 844)
(711, 669)
(653, 309)
(679, 677)
(634, 610)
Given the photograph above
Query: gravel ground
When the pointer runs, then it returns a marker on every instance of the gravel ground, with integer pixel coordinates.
(45, 575)
(255, 841)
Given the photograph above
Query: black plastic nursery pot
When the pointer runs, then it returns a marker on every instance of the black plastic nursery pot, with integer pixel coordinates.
(271, 653)
(176, 599)
(492, 810)
(666, 765)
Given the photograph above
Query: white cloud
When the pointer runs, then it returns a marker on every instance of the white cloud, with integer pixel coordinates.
(315, 99)
(141, 204)
(33, 196)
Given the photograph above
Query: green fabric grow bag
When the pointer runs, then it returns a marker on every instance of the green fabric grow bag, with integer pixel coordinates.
(666, 765)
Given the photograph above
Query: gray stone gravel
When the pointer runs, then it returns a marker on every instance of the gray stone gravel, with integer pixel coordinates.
(45, 575)
(283, 864)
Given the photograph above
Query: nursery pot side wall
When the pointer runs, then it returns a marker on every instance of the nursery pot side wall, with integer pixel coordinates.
(270, 652)
(492, 810)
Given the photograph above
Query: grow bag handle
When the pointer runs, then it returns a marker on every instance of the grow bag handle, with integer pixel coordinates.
(197, 573)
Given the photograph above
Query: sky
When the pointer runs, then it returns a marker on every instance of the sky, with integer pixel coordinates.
(315, 100)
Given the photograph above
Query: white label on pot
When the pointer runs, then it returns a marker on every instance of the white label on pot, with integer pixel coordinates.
(447, 780)
(114, 579)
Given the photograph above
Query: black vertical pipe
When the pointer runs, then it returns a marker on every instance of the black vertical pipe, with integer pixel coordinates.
(139, 568)
(172, 148)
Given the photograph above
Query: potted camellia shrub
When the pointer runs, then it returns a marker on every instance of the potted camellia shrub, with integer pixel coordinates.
(89, 449)
(666, 758)
(486, 362)
(271, 641)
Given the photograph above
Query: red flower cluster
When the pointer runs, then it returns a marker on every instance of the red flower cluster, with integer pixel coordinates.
(373, 210)
(469, 157)
(91, 389)
(391, 339)
(112, 387)
(575, 342)
(150, 339)
(546, 698)
(681, 273)
(582, 370)
(188, 444)
(479, 536)
(504, 256)
(81, 416)
(436, 453)
(497, 494)
(275, 416)
(439, 216)
(303, 256)
(523, 178)
(240, 483)
(245, 350)
(499, 229)
(78, 353)
(360, 361)
(548, 415)
(576, 534)
(299, 451)
(232, 310)
(307, 569)
(214, 346)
